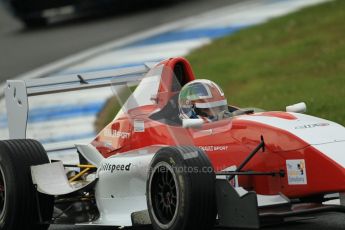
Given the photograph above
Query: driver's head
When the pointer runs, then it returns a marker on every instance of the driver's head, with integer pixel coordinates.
(203, 99)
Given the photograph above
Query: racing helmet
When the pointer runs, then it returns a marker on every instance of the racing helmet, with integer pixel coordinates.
(203, 99)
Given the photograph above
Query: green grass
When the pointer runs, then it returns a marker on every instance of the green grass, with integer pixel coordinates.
(298, 57)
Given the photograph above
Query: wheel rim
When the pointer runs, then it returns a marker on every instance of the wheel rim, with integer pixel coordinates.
(2, 193)
(164, 195)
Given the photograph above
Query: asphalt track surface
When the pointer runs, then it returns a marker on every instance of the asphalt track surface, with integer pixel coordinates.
(22, 50)
(325, 222)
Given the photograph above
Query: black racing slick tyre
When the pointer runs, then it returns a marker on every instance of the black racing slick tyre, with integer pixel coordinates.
(181, 190)
(20, 204)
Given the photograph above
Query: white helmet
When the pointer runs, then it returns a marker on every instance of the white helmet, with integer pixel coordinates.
(203, 99)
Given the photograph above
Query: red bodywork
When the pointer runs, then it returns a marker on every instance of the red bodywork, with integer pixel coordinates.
(227, 142)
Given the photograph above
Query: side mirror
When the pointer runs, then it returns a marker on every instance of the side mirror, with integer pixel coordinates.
(192, 123)
(297, 108)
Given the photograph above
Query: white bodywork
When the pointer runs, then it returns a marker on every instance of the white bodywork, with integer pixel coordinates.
(51, 179)
(91, 154)
(297, 108)
(265, 200)
(334, 150)
(121, 187)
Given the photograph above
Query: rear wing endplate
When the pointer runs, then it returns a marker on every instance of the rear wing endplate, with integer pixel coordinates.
(17, 92)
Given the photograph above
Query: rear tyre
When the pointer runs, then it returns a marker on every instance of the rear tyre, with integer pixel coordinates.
(181, 190)
(18, 198)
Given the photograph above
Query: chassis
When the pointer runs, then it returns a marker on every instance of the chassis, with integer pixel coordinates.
(149, 167)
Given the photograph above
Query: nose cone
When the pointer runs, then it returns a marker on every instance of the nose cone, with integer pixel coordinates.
(312, 130)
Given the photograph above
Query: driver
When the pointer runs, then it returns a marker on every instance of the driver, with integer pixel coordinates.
(203, 99)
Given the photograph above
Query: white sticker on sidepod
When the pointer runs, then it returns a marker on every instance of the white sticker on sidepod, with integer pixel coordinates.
(190, 155)
(139, 126)
(296, 171)
(211, 148)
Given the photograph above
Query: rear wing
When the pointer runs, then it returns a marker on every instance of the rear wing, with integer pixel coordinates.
(17, 92)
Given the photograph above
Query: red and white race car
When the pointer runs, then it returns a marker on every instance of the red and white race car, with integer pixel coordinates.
(151, 165)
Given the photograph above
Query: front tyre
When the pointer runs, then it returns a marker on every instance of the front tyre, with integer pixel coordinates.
(19, 202)
(181, 190)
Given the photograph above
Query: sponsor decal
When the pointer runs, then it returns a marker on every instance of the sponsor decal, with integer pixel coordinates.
(211, 148)
(115, 167)
(139, 126)
(312, 126)
(190, 155)
(117, 134)
(297, 172)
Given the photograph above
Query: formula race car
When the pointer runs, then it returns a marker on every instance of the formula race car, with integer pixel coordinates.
(176, 157)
